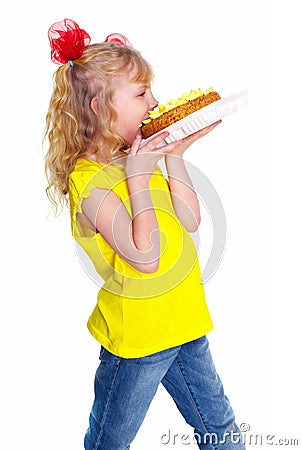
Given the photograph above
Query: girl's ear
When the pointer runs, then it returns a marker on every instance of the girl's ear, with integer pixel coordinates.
(94, 104)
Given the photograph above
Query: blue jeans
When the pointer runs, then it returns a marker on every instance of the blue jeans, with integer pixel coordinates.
(124, 389)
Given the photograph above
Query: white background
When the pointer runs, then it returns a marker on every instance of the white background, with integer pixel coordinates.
(48, 358)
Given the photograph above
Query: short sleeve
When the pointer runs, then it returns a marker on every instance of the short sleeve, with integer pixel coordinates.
(85, 177)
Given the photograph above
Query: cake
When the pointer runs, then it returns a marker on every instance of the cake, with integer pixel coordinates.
(174, 110)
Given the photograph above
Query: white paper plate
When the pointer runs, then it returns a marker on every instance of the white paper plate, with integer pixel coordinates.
(203, 117)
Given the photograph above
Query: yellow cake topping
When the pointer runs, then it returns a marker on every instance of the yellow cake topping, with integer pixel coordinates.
(186, 97)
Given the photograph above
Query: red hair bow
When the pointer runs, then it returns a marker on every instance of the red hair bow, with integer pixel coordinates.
(67, 41)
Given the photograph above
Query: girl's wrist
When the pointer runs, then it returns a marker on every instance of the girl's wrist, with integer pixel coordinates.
(174, 161)
(178, 151)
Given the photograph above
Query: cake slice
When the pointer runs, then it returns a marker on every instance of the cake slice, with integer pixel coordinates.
(167, 114)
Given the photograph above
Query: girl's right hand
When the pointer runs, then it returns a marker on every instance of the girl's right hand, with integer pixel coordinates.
(142, 160)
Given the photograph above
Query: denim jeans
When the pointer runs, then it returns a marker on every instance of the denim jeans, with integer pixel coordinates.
(124, 389)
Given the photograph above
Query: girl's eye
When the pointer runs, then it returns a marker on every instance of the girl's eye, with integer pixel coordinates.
(142, 94)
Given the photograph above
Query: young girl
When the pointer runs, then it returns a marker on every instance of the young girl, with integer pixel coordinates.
(151, 317)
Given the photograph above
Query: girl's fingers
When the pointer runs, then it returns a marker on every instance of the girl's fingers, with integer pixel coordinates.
(168, 147)
(135, 144)
(152, 144)
(203, 132)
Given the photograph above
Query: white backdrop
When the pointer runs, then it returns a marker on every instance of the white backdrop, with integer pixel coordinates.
(48, 358)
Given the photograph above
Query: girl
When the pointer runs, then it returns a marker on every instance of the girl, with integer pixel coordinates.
(151, 317)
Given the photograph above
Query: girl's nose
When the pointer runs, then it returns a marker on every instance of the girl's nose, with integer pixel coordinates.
(153, 103)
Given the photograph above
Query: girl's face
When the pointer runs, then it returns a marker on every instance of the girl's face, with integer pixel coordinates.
(132, 101)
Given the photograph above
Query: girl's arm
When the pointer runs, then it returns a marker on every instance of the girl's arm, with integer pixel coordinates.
(184, 197)
(135, 238)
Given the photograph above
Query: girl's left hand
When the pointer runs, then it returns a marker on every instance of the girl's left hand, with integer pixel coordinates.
(186, 142)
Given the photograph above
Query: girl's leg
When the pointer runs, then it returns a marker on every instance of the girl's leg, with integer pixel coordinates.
(196, 388)
(124, 389)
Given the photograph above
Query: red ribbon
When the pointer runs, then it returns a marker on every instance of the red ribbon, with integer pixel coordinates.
(68, 41)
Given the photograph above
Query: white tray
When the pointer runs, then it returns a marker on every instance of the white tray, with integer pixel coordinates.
(203, 117)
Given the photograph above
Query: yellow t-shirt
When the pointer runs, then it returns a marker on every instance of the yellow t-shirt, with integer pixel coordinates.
(138, 314)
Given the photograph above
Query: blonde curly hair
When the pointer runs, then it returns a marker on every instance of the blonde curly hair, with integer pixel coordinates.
(71, 125)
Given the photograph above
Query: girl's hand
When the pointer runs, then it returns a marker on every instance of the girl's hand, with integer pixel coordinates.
(186, 142)
(142, 160)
